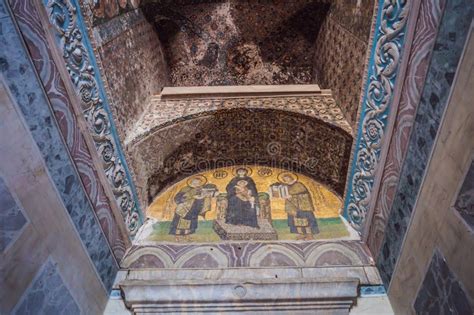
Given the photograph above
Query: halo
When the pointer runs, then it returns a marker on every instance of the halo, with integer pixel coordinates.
(280, 177)
(202, 178)
(248, 169)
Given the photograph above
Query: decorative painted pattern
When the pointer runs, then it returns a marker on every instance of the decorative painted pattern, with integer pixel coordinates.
(241, 136)
(133, 66)
(441, 292)
(12, 218)
(382, 74)
(246, 254)
(35, 39)
(27, 89)
(429, 18)
(236, 42)
(47, 294)
(339, 61)
(77, 53)
(162, 113)
(107, 9)
(446, 54)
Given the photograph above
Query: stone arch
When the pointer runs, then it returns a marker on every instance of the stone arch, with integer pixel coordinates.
(226, 137)
(204, 256)
(134, 257)
(337, 251)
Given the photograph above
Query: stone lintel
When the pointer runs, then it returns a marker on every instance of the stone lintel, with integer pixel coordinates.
(241, 90)
(312, 296)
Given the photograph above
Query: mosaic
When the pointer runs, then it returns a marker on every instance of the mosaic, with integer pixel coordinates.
(240, 136)
(246, 203)
(236, 42)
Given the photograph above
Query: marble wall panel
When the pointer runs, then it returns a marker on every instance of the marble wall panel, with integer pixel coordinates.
(29, 22)
(428, 20)
(47, 294)
(441, 292)
(247, 254)
(12, 218)
(434, 223)
(23, 169)
(465, 199)
(28, 92)
(445, 57)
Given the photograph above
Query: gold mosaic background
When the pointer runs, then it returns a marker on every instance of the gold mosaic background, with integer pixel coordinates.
(326, 203)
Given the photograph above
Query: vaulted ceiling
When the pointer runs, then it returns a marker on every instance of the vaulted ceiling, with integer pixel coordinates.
(238, 42)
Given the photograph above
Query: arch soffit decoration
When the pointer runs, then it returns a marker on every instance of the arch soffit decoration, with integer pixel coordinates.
(238, 136)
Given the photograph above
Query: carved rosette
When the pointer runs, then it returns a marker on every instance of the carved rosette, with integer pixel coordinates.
(383, 69)
(63, 16)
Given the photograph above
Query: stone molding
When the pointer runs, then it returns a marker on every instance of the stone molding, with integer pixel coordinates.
(72, 39)
(383, 69)
(426, 28)
(146, 292)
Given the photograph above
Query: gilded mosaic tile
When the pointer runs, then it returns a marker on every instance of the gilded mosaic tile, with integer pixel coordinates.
(246, 203)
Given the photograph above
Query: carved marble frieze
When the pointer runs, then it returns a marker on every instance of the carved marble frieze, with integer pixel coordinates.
(428, 20)
(71, 38)
(383, 68)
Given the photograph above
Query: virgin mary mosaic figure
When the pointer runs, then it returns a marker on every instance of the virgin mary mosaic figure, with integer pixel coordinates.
(242, 200)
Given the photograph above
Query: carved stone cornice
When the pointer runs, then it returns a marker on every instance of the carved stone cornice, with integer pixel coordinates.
(80, 62)
(147, 292)
(383, 68)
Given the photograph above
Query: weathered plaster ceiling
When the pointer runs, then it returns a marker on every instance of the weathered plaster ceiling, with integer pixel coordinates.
(238, 42)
